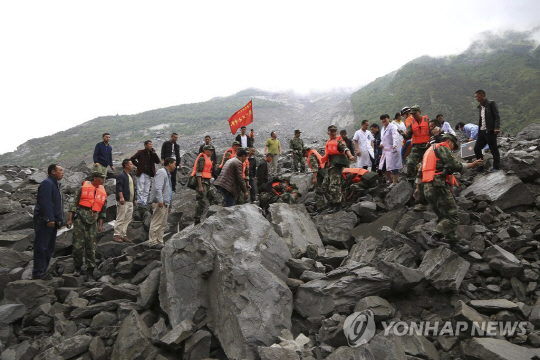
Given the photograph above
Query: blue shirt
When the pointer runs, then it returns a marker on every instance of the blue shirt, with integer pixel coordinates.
(471, 131)
(103, 154)
(49, 201)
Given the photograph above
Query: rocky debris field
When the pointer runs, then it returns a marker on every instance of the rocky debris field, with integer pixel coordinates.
(280, 285)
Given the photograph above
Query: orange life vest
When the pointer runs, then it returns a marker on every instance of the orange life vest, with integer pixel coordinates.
(420, 131)
(207, 170)
(408, 121)
(92, 197)
(356, 174)
(233, 154)
(276, 183)
(319, 158)
(429, 166)
(331, 147)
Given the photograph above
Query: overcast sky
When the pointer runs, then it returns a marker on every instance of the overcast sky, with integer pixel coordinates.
(66, 62)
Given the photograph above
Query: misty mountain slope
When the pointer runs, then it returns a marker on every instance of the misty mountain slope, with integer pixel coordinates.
(282, 112)
(507, 68)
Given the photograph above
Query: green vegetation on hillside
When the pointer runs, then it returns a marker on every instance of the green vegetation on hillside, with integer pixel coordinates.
(183, 119)
(507, 68)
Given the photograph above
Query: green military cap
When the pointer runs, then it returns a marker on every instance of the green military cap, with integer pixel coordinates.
(332, 127)
(297, 131)
(415, 109)
(98, 174)
(451, 137)
(208, 147)
(296, 192)
(306, 148)
(236, 143)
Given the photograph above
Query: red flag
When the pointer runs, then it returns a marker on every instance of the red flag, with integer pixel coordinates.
(242, 117)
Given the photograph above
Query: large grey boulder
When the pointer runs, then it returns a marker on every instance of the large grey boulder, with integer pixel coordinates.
(504, 191)
(529, 133)
(31, 293)
(233, 267)
(133, 340)
(67, 349)
(13, 259)
(524, 164)
(399, 195)
(294, 225)
(444, 269)
(496, 349)
(302, 181)
(11, 312)
(340, 290)
(503, 261)
(335, 229)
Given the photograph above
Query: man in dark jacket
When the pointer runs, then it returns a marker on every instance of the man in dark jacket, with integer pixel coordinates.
(170, 149)
(489, 123)
(145, 160)
(245, 140)
(376, 150)
(262, 171)
(252, 174)
(103, 155)
(125, 200)
(231, 179)
(48, 217)
(348, 141)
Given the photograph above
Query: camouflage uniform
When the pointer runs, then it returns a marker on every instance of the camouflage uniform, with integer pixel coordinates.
(332, 181)
(85, 232)
(209, 192)
(297, 147)
(321, 173)
(415, 156)
(439, 195)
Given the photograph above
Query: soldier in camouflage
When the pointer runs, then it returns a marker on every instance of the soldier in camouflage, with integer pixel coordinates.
(435, 173)
(319, 174)
(297, 151)
(86, 225)
(204, 189)
(336, 157)
(418, 131)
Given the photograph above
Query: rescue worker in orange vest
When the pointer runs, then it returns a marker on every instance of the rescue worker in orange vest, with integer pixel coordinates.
(316, 166)
(419, 134)
(230, 153)
(278, 191)
(202, 170)
(336, 157)
(86, 214)
(436, 175)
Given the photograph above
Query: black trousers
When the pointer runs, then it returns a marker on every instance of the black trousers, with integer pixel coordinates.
(488, 138)
(173, 179)
(44, 243)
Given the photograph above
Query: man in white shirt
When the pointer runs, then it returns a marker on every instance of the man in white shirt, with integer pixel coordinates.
(363, 143)
(446, 127)
(244, 140)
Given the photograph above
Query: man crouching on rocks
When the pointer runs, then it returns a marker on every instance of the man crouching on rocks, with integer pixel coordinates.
(435, 174)
(86, 213)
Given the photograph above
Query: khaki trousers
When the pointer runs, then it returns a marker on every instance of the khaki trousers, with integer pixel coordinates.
(124, 215)
(158, 224)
